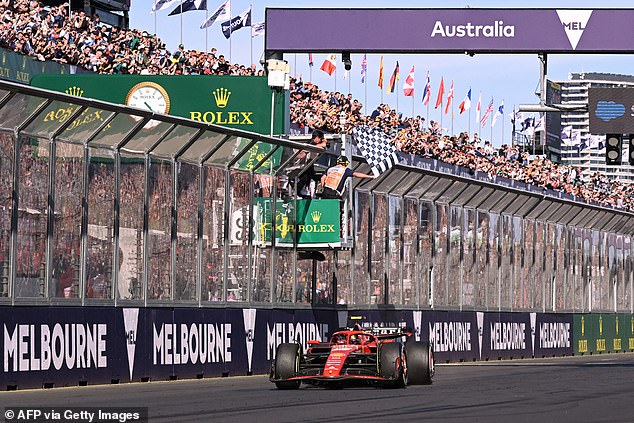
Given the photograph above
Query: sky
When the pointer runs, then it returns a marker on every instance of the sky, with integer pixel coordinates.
(511, 79)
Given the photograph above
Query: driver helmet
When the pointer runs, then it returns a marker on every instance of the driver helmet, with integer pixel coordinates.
(343, 161)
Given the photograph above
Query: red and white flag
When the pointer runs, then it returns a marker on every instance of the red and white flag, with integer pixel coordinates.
(488, 111)
(479, 107)
(449, 98)
(441, 92)
(408, 86)
(330, 65)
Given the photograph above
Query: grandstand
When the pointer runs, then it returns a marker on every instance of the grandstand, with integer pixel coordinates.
(152, 225)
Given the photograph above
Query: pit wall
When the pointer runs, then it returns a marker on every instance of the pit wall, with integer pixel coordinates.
(70, 346)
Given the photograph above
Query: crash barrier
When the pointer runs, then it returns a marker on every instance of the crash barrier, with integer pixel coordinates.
(70, 346)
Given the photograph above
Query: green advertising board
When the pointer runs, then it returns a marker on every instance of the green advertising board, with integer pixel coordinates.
(316, 222)
(603, 333)
(240, 102)
(21, 68)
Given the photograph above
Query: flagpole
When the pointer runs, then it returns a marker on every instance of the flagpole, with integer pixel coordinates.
(155, 25)
(181, 21)
(206, 32)
(251, 62)
(230, 59)
(413, 97)
(335, 79)
(441, 104)
(452, 116)
(469, 127)
(503, 125)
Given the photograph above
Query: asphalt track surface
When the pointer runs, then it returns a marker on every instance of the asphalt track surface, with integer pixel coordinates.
(596, 388)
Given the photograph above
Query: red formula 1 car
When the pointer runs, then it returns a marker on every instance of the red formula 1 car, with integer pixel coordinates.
(375, 356)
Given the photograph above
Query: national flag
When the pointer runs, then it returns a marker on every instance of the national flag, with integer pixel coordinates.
(330, 64)
(466, 103)
(479, 107)
(566, 135)
(377, 148)
(408, 86)
(310, 59)
(516, 116)
(364, 68)
(488, 111)
(500, 112)
(427, 91)
(527, 123)
(189, 5)
(449, 98)
(541, 124)
(441, 92)
(394, 79)
(381, 73)
(223, 11)
(240, 21)
(162, 4)
(258, 29)
(597, 141)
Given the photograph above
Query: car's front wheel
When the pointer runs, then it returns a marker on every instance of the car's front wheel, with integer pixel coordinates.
(286, 366)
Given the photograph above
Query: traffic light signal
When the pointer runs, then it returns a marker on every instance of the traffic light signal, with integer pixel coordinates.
(631, 150)
(613, 149)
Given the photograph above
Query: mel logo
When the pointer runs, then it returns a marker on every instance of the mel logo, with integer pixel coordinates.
(574, 23)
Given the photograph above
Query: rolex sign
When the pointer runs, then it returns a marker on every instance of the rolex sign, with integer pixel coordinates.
(241, 102)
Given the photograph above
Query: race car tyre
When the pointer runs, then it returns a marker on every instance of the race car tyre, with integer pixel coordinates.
(420, 362)
(287, 365)
(392, 366)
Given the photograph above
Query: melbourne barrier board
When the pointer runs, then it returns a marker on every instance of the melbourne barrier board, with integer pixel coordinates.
(62, 346)
(240, 102)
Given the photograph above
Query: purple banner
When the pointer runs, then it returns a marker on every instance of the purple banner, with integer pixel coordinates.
(450, 30)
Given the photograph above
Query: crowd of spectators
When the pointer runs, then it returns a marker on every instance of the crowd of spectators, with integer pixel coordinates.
(49, 33)
(312, 108)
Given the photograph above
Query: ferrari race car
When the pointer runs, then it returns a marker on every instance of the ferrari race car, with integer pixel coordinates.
(374, 356)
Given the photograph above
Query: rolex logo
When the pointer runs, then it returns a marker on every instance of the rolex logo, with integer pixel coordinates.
(76, 91)
(222, 97)
(316, 215)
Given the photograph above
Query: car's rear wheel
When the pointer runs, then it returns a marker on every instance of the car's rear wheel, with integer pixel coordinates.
(392, 364)
(420, 362)
(287, 365)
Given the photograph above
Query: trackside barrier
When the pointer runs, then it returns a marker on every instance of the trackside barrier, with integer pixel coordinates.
(603, 333)
(66, 346)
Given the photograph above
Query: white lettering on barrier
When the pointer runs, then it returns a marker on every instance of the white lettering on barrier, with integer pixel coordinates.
(189, 344)
(70, 346)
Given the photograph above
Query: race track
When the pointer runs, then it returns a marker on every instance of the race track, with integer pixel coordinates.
(578, 389)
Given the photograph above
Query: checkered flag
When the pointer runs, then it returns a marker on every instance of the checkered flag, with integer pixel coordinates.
(376, 147)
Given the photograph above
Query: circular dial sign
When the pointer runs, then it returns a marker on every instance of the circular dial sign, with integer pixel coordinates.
(149, 96)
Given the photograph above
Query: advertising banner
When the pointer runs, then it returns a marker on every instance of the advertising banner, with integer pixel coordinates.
(315, 222)
(241, 102)
(70, 346)
(21, 68)
(603, 333)
(467, 30)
